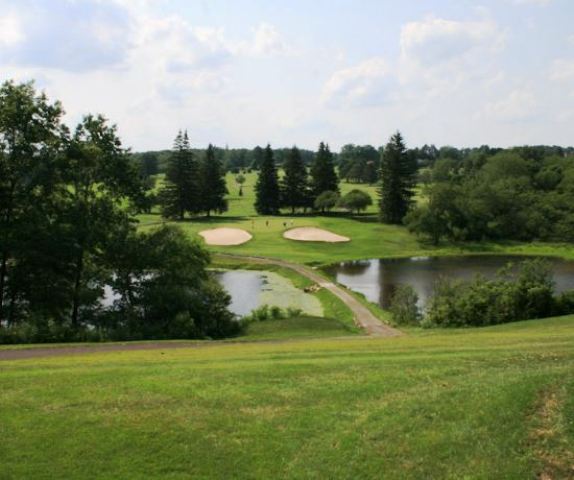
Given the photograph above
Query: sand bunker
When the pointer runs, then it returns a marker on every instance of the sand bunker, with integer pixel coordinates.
(225, 236)
(312, 234)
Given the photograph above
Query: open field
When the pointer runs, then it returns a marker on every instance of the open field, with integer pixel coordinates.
(369, 238)
(478, 403)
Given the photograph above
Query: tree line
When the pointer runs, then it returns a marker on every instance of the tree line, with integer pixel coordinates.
(522, 193)
(72, 264)
(318, 186)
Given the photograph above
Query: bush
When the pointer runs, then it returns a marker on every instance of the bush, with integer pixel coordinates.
(564, 303)
(326, 201)
(355, 200)
(265, 313)
(527, 294)
(404, 309)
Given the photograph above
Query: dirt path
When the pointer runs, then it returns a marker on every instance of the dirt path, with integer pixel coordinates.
(363, 316)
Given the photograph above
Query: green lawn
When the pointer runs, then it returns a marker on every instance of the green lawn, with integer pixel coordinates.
(478, 403)
(296, 327)
(369, 238)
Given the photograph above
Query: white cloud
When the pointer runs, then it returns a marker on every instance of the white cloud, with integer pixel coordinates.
(518, 105)
(267, 41)
(10, 30)
(67, 35)
(437, 41)
(364, 84)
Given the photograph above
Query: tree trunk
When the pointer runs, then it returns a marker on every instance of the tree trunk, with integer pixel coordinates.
(5, 256)
(12, 311)
(3, 273)
(77, 286)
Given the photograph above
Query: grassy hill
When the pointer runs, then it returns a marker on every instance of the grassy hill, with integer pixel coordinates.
(482, 403)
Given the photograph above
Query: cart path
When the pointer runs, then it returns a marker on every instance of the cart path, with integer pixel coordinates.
(363, 316)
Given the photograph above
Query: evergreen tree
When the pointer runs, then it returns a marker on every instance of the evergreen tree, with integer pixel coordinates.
(267, 186)
(257, 158)
(213, 187)
(324, 177)
(181, 192)
(398, 180)
(294, 184)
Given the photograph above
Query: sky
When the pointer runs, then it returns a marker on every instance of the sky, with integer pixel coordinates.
(249, 72)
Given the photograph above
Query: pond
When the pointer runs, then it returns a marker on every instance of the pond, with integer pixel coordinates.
(377, 279)
(250, 289)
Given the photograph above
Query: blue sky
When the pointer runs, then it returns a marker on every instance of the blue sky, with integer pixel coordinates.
(247, 72)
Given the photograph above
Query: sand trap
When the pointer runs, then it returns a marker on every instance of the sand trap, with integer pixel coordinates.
(225, 236)
(312, 234)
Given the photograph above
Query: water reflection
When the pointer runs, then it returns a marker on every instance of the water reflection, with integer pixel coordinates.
(377, 279)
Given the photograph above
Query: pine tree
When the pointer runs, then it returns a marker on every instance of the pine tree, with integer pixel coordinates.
(257, 158)
(324, 177)
(294, 184)
(213, 187)
(398, 180)
(267, 186)
(181, 191)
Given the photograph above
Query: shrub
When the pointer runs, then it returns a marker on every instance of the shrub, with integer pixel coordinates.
(265, 313)
(510, 297)
(404, 309)
(357, 200)
(326, 201)
(564, 303)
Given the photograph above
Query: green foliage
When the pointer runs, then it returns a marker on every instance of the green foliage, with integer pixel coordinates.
(404, 309)
(295, 189)
(267, 199)
(398, 180)
(149, 164)
(505, 196)
(181, 192)
(265, 313)
(323, 175)
(359, 164)
(30, 140)
(509, 298)
(326, 201)
(212, 183)
(355, 200)
(67, 234)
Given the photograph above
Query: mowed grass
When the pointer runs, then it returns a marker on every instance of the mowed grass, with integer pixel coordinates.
(369, 238)
(478, 404)
(296, 327)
